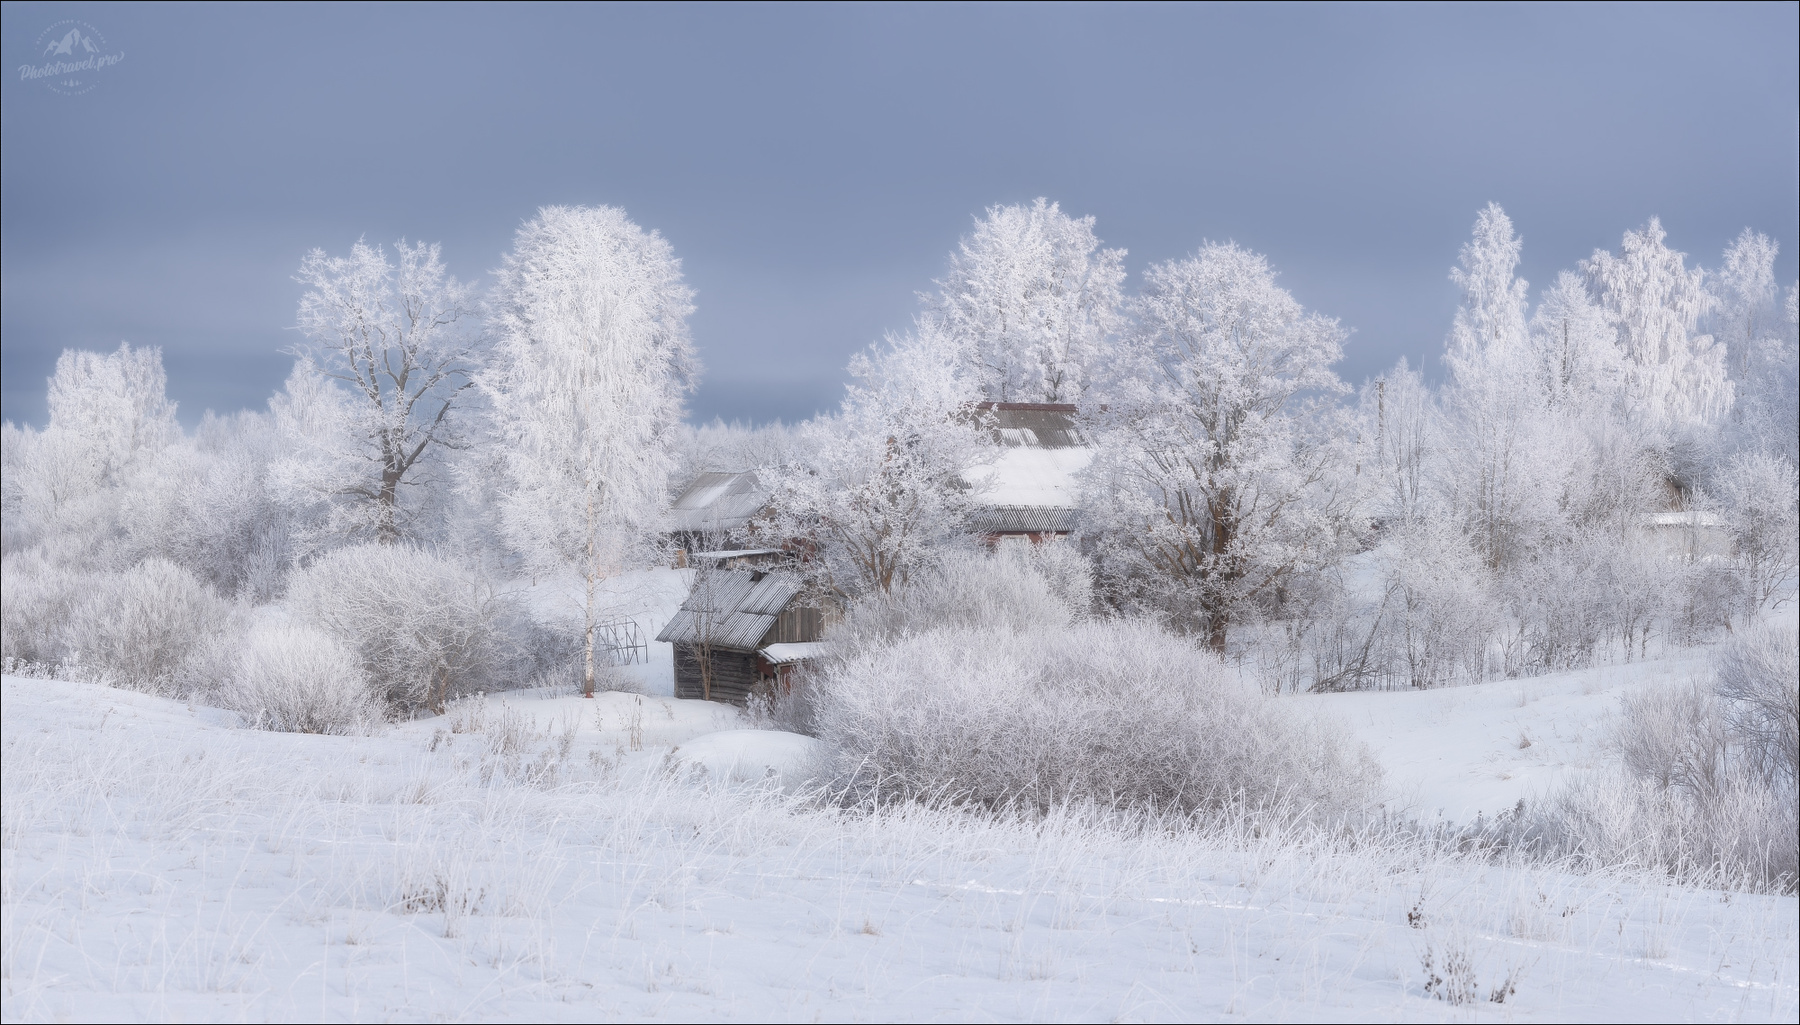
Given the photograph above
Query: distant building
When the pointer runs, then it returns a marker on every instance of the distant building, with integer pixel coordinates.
(716, 505)
(741, 630)
(1033, 490)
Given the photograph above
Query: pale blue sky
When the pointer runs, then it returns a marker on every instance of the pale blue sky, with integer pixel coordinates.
(814, 165)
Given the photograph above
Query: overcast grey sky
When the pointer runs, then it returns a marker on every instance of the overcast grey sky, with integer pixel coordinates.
(813, 166)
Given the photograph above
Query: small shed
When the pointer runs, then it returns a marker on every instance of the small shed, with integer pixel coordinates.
(727, 626)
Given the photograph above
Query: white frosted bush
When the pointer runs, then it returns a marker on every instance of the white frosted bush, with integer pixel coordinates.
(36, 599)
(424, 628)
(297, 679)
(1738, 834)
(1759, 679)
(143, 625)
(1015, 588)
(1112, 713)
(1704, 786)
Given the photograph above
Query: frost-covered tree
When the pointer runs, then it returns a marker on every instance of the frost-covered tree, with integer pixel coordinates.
(1748, 318)
(1489, 329)
(400, 340)
(1403, 425)
(1674, 374)
(1216, 469)
(590, 365)
(1496, 409)
(117, 404)
(1746, 306)
(109, 415)
(882, 491)
(205, 503)
(1760, 495)
(1032, 298)
(1579, 367)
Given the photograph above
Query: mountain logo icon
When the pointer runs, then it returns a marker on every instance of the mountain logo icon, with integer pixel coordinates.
(68, 44)
(76, 57)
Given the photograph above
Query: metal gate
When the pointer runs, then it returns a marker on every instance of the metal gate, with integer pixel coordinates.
(621, 643)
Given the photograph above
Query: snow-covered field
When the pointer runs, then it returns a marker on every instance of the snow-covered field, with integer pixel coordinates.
(1454, 753)
(536, 857)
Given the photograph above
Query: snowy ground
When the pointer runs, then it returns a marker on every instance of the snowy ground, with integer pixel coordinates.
(548, 858)
(1454, 753)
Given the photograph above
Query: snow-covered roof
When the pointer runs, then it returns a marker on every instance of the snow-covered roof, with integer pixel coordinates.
(1690, 518)
(737, 553)
(1043, 477)
(731, 608)
(718, 500)
(791, 652)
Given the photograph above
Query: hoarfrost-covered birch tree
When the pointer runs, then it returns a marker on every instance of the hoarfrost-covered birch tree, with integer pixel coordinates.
(590, 364)
(1674, 374)
(1218, 445)
(1759, 338)
(1032, 298)
(1579, 366)
(1746, 306)
(398, 339)
(1497, 410)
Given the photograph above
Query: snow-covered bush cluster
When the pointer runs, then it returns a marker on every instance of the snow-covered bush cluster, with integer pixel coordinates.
(986, 685)
(1706, 779)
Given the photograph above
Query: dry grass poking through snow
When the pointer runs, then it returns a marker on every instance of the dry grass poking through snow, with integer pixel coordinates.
(160, 865)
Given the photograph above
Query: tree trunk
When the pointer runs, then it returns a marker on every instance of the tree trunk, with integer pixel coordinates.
(387, 501)
(587, 629)
(1215, 632)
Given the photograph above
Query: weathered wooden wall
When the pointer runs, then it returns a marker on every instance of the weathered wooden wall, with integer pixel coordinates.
(733, 674)
(796, 624)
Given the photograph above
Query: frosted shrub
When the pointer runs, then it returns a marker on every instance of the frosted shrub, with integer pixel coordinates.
(38, 599)
(1759, 680)
(1705, 785)
(297, 679)
(1113, 713)
(425, 629)
(1015, 588)
(1761, 498)
(143, 625)
(1417, 615)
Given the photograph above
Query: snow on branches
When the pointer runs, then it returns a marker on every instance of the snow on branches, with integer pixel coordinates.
(590, 365)
(396, 338)
(1032, 299)
(1216, 472)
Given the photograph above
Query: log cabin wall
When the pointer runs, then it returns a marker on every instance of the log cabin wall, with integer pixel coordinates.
(796, 625)
(733, 674)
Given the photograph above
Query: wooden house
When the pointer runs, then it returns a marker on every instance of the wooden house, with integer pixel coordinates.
(740, 631)
(1032, 492)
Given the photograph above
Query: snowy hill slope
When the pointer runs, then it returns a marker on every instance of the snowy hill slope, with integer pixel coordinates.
(159, 864)
(1454, 753)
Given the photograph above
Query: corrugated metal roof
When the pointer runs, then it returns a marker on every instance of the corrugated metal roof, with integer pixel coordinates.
(1024, 519)
(1033, 424)
(718, 501)
(731, 609)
